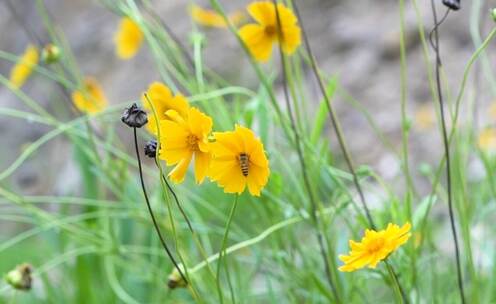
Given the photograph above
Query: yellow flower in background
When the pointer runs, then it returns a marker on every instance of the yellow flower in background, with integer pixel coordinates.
(24, 67)
(211, 18)
(239, 161)
(91, 98)
(487, 139)
(492, 110)
(162, 99)
(425, 117)
(128, 38)
(374, 247)
(260, 37)
(183, 138)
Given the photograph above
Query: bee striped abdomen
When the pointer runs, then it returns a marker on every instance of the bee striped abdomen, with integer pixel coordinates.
(244, 163)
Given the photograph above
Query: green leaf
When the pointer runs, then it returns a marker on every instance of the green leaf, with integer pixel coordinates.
(422, 210)
(323, 111)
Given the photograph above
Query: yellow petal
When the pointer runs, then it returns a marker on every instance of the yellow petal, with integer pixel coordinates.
(207, 17)
(202, 162)
(90, 98)
(128, 38)
(24, 67)
(179, 172)
(291, 39)
(259, 44)
(199, 123)
(263, 12)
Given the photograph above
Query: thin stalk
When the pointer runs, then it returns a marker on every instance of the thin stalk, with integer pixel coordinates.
(31, 34)
(334, 119)
(176, 199)
(222, 251)
(303, 166)
(411, 191)
(400, 294)
(155, 224)
(446, 152)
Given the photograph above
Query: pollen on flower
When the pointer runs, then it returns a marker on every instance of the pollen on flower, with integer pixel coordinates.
(192, 142)
(270, 30)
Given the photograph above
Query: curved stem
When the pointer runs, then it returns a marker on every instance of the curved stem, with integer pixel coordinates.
(176, 199)
(222, 251)
(446, 152)
(397, 287)
(301, 159)
(334, 120)
(155, 224)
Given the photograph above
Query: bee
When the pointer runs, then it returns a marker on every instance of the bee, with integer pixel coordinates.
(244, 163)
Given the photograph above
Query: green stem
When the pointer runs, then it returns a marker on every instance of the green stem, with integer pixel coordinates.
(398, 292)
(222, 251)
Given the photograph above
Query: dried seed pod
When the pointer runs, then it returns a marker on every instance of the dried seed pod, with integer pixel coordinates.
(151, 148)
(452, 4)
(134, 117)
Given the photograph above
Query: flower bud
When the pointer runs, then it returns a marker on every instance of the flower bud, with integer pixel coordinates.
(20, 278)
(452, 4)
(134, 117)
(175, 280)
(151, 148)
(493, 14)
(50, 53)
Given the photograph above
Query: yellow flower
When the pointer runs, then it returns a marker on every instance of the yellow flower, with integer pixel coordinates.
(238, 161)
(161, 98)
(128, 38)
(487, 139)
(374, 247)
(492, 110)
(211, 18)
(260, 37)
(24, 67)
(425, 117)
(185, 137)
(90, 99)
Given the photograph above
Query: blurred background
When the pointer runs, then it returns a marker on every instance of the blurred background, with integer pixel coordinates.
(358, 41)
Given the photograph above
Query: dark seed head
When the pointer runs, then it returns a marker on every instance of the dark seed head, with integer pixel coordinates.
(151, 148)
(452, 4)
(134, 117)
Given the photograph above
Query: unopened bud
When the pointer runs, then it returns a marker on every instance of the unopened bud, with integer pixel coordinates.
(20, 278)
(134, 117)
(151, 148)
(50, 53)
(452, 4)
(493, 14)
(175, 280)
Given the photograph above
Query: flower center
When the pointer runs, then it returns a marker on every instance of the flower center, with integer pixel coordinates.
(375, 245)
(244, 163)
(270, 30)
(192, 142)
